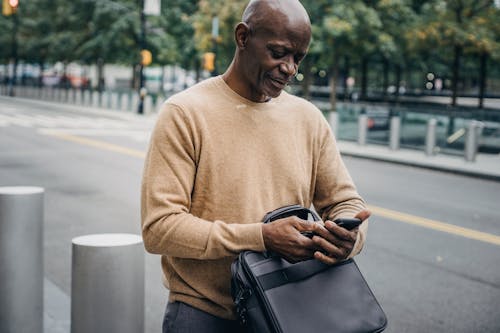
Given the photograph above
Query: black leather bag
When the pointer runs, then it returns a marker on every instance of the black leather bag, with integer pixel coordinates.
(273, 295)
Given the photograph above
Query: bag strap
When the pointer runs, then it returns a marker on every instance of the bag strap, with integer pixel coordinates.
(296, 272)
(291, 210)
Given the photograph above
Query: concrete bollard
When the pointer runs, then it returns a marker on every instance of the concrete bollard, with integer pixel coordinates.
(148, 104)
(123, 101)
(395, 133)
(21, 259)
(135, 102)
(333, 120)
(362, 129)
(95, 99)
(472, 140)
(430, 137)
(107, 287)
(114, 101)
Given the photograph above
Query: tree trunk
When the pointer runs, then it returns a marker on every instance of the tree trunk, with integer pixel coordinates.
(100, 75)
(455, 71)
(347, 71)
(482, 78)
(40, 77)
(162, 80)
(385, 82)
(334, 71)
(364, 77)
(398, 81)
(132, 82)
(306, 83)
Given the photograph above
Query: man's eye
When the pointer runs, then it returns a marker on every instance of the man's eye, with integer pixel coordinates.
(277, 54)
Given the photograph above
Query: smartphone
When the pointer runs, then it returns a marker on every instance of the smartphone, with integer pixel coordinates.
(348, 223)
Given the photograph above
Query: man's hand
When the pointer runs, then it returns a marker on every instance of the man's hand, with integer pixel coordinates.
(284, 237)
(330, 243)
(336, 242)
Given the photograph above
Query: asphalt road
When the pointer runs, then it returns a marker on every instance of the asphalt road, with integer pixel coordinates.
(426, 279)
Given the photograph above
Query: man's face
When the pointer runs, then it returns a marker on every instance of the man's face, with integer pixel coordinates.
(272, 58)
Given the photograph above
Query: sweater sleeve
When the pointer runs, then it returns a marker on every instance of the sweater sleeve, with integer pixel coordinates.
(335, 194)
(168, 227)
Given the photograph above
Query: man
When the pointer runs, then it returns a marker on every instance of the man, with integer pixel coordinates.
(231, 148)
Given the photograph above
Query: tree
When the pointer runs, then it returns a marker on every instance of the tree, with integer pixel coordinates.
(459, 25)
(228, 14)
(350, 29)
(398, 20)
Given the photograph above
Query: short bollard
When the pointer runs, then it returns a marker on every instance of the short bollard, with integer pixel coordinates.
(21, 259)
(362, 129)
(395, 130)
(430, 137)
(107, 286)
(333, 121)
(472, 140)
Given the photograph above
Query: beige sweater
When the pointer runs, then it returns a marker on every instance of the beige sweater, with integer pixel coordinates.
(216, 164)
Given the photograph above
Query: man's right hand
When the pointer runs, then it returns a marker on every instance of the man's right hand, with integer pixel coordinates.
(284, 238)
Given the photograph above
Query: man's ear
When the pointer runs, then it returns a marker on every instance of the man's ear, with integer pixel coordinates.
(241, 35)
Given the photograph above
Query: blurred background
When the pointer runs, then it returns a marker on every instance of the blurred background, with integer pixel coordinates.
(415, 59)
(81, 82)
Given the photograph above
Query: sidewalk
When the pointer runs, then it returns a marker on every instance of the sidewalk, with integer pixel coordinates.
(486, 166)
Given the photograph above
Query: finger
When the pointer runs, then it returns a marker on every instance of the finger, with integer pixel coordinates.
(324, 258)
(304, 225)
(333, 239)
(328, 248)
(349, 235)
(363, 215)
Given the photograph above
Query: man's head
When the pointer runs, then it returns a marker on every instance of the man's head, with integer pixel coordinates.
(272, 40)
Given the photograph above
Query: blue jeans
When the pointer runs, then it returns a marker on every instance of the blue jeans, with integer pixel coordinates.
(182, 318)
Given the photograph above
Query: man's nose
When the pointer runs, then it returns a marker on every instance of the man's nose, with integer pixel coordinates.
(289, 67)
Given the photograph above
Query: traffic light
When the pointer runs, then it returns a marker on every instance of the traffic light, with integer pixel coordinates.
(209, 61)
(9, 7)
(146, 57)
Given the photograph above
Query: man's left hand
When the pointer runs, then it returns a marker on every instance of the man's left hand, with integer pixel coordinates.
(336, 243)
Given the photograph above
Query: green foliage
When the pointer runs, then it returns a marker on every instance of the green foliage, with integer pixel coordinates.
(410, 34)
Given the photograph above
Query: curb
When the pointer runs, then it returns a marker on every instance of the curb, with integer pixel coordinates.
(441, 168)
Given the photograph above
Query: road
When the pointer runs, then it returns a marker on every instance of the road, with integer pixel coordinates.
(425, 261)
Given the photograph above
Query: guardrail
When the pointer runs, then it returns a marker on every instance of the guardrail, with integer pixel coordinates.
(114, 100)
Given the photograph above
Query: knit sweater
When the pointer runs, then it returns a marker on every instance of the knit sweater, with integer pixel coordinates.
(216, 164)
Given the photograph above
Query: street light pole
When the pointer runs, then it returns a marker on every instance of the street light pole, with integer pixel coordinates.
(13, 79)
(142, 43)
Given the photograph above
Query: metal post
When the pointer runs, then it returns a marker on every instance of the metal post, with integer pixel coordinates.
(107, 286)
(362, 129)
(395, 130)
(21, 259)
(430, 138)
(142, 41)
(472, 140)
(13, 79)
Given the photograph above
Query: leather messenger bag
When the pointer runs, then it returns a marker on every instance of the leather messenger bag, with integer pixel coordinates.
(273, 295)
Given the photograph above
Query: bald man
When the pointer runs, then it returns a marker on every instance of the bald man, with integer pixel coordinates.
(231, 148)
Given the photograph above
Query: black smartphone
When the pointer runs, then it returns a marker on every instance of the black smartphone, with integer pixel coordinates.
(348, 223)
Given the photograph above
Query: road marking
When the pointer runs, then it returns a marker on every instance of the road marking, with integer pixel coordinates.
(384, 212)
(135, 134)
(436, 225)
(99, 144)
